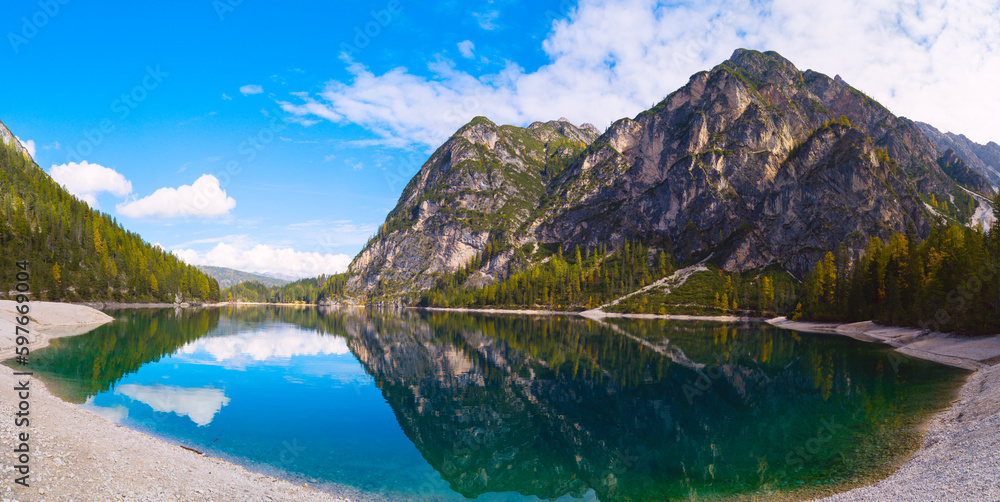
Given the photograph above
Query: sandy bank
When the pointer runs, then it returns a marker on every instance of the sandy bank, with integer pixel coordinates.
(494, 311)
(76, 455)
(958, 460)
(600, 314)
(961, 351)
(47, 320)
(596, 314)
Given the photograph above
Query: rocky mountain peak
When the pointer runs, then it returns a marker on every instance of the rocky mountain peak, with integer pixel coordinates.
(754, 163)
(765, 67)
(956, 167)
(479, 187)
(480, 131)
(984, 159)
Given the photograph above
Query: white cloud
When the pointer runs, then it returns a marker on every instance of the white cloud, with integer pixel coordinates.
(487, 19)
(114, 414)
(612, 59)
(265, 259)
(198, 404)
(226, 97)
(203, 199)
(27, 145)
(86, 181)
(281, 347)
(251, 89)
(466, 47)
(264, 345)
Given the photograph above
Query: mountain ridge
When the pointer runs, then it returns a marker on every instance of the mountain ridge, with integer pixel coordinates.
(983, 158)
(753, 161)
(230, 277)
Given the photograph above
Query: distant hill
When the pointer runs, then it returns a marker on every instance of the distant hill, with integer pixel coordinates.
(228, 277)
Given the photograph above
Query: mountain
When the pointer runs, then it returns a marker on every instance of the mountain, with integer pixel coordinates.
(753, 163)
(75, 253)
(481, 186)
(229, 277)
(985, 159)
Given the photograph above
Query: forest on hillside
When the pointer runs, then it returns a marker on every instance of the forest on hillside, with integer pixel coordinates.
(591, 277)
(309, 291)
(77, 254)
(948, 282)
(230, 277)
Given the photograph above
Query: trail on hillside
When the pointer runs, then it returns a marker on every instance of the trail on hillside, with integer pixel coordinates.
(667, 284)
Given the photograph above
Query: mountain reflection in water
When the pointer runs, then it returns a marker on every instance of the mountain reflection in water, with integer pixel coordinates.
(533, 405)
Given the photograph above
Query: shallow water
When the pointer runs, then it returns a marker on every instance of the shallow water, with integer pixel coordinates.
(445, 406)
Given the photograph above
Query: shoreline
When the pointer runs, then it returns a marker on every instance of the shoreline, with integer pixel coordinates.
(594, 314)
(74, 451)
(955, 460)
(962, 352)
(77, 455)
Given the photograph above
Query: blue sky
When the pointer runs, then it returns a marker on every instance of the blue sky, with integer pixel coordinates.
(276, 138)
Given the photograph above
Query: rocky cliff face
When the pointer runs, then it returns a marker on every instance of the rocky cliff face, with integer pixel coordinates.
(984, 159)
(957, 169)
(8, 138)
(753, 161)
(480, 186)
(744, 161)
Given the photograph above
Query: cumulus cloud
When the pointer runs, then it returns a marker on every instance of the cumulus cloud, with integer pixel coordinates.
(251, 89)
(202, 199)
(264, 345)
(313, 354)
(114, 414)
(198, 404)
(86, 181)
(27, 145)
(265, 259)
(466, 47)
(612, 59)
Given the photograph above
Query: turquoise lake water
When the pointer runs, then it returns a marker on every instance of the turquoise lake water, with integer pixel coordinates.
(447, 406)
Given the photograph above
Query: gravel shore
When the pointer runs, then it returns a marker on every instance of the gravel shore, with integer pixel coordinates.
(596, 314)
(971, 353)
(959, 459)
(77, 455)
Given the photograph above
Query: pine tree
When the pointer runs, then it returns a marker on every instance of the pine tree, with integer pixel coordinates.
(766, 294)
(829, 278)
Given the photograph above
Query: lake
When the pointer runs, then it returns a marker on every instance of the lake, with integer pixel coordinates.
(450, 406)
